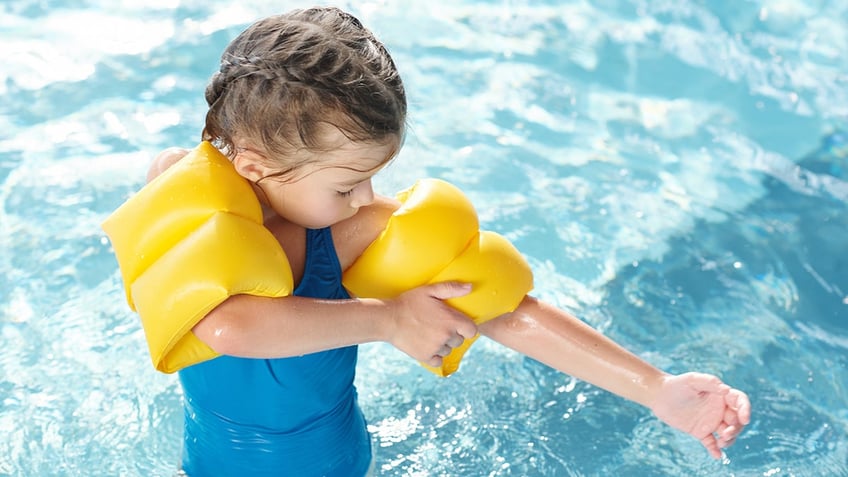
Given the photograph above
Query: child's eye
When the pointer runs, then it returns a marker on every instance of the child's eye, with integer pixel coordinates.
(345, 193)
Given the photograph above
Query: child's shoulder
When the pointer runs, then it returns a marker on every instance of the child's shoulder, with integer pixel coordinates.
(353, 235)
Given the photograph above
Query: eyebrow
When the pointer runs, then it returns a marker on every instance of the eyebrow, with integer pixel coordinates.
(353, 182)
(365, 174)
(350, 183)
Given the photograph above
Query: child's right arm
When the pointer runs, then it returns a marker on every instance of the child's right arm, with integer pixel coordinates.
(417, 322)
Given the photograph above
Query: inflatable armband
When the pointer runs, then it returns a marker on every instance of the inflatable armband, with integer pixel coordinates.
(434, 237)
(187, 241)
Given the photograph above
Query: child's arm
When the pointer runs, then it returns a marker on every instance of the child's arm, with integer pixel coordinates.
(698, 404)
(417, 322)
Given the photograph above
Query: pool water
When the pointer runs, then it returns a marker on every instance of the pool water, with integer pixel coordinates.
(676, 172)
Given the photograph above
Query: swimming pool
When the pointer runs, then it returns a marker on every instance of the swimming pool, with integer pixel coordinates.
(675, 172)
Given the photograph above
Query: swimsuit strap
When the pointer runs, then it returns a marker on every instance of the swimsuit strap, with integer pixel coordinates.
(322, 274)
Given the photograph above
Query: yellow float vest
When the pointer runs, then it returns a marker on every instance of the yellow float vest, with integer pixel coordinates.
(434, 237)
(187, 241)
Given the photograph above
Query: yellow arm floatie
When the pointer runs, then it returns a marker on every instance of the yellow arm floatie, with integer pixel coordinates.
(434, 237)
(188, 240)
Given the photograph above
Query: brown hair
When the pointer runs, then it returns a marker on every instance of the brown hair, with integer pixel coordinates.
(288, 76)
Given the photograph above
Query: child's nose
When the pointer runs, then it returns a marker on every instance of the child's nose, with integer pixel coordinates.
(363, 194)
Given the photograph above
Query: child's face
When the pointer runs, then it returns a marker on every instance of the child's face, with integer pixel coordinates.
(333, 188)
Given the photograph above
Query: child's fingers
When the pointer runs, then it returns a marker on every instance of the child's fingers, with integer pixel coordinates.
(727, 436)
(738, 401)
(709, 442)
(455, 340)
(465, 328)
(446, 290)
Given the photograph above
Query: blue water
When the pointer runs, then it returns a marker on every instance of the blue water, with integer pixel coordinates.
(676, 172)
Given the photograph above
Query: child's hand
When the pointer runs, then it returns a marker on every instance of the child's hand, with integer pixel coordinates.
(426, 328)
(703, 407)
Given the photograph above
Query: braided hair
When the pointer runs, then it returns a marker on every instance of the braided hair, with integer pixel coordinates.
(288, 76)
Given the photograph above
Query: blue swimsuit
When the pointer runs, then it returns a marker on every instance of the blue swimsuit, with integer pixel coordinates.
(291, 416)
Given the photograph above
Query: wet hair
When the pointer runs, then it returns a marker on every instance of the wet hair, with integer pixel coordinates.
(286, 78)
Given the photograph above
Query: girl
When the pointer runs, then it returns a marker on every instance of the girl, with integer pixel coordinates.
(309, 106)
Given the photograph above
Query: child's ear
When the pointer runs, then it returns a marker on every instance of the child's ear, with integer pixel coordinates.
(249, 166)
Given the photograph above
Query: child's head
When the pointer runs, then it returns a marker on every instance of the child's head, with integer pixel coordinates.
(288, 79)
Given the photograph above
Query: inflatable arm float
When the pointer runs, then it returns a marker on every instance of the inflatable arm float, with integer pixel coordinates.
(434, 237)
(193, 237)
(187, 241)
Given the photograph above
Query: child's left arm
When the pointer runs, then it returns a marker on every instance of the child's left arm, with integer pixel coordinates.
(698, 404)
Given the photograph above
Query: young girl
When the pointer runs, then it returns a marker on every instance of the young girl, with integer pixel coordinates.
(308, 107)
